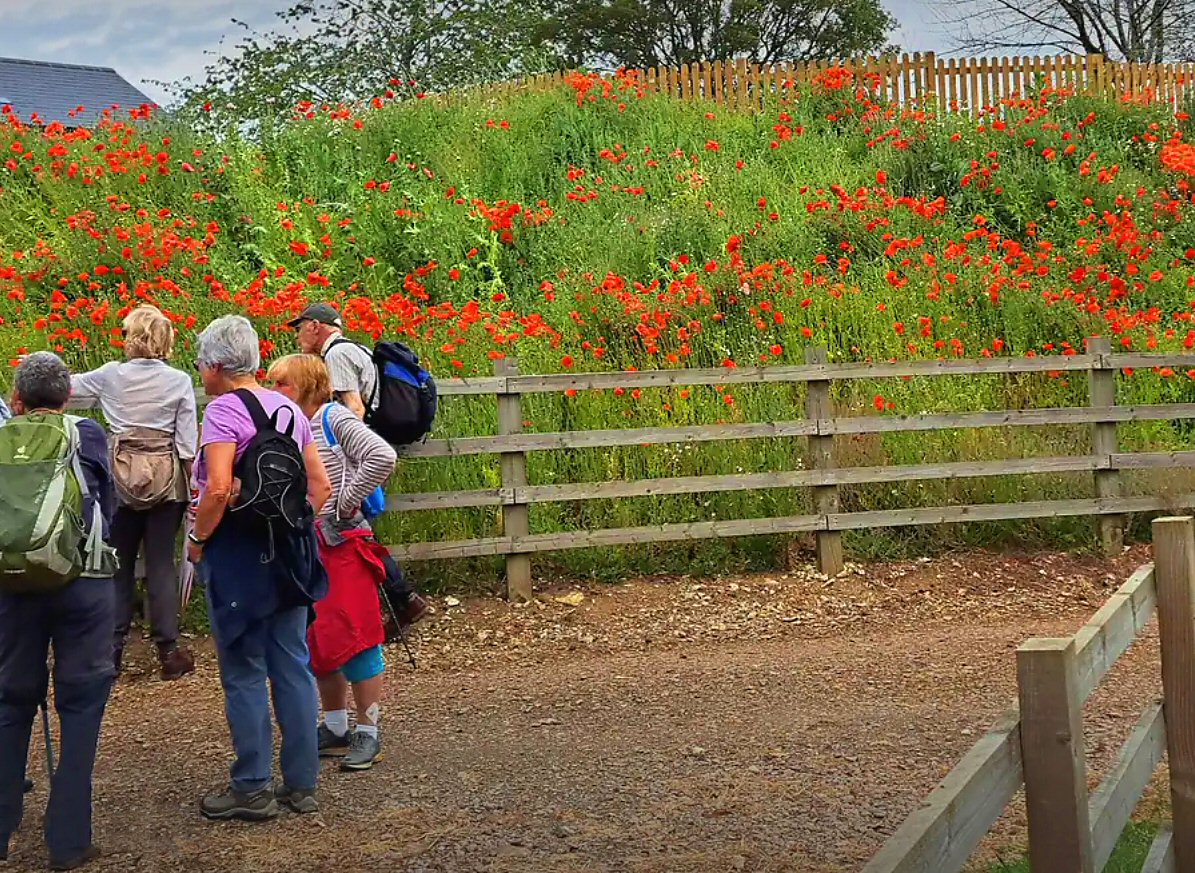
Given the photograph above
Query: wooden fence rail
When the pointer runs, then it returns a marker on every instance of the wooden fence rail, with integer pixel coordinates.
(516, 493)
(1039, 743)
(968, 85)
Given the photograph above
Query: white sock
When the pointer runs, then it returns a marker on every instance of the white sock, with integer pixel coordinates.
(370, 730)
(337, 721)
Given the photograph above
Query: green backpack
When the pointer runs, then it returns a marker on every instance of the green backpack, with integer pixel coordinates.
(43, 544)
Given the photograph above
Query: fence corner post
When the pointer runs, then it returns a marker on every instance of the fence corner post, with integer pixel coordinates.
(819, 405)
(1052, 751)
(1105, 442)
(516, 518)
(1174, 580)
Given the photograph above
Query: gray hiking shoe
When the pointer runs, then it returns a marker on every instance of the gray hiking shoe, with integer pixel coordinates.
(364, 750)
(230, 804)
(332, 746)
(300, 800)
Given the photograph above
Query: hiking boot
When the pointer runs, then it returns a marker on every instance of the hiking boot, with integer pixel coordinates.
(230, 804)
(28, 785)
(118, 659)
(364, 750)
(176, 663)
(330, 745)
(75, 861)
(300, 800)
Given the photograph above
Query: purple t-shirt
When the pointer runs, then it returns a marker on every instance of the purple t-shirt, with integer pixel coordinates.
(226, 420)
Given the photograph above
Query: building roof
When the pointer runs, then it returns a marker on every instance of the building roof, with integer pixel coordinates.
(53, 91)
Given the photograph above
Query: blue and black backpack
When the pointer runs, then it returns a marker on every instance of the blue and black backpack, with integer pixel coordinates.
(405, 395)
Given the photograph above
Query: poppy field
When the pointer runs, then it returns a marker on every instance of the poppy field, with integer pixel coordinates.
(598, 227)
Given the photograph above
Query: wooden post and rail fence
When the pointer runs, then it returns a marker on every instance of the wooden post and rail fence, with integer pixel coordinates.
(1038, 743)
(967, 85)
(815, 433)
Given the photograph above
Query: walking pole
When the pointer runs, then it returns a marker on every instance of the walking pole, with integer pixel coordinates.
(402, 633)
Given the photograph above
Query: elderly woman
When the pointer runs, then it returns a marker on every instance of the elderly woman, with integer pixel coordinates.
(150, 409)
(346, 638)
(262, 575)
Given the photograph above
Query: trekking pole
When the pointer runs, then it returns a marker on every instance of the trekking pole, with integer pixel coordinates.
(402, 633)
(45, 726)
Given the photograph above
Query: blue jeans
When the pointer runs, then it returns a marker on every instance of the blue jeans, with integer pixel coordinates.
(272, 649)
(77, 621)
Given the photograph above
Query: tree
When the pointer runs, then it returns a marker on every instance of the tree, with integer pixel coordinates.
(333, 51)
(1141, 31)
(652, 33)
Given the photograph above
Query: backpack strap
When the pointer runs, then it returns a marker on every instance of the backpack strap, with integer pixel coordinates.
(329, 436)
(257, 412)
(334, 444)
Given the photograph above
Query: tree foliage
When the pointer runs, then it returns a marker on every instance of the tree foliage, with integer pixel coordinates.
(648, 33)
(334, 51)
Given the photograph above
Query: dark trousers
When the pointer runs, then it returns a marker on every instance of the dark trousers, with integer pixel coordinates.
(157, 529)
(77, 621)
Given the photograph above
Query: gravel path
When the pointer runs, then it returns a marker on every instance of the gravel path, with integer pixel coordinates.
(764, 723)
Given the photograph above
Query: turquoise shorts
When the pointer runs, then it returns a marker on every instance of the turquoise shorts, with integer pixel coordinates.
(364, 665)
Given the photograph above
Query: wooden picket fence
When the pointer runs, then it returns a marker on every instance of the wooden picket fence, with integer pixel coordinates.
(823, 477)
(958, 84)
(1038, 743)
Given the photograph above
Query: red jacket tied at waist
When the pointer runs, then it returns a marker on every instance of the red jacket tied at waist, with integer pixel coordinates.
(349, 620)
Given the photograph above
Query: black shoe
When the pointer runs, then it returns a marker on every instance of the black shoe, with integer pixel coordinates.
(75, 861)
(28, 784)
(298, 800)
(230, 804)
(330, 745)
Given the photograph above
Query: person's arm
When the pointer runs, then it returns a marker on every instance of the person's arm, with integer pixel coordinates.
(319, 487)
(372, 458)
(186, 428)
(219, 458)
(94, 463)
(345, 377)
(353, 402)
(87, 388)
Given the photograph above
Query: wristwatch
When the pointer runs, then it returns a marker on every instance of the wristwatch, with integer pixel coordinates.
(196, 540)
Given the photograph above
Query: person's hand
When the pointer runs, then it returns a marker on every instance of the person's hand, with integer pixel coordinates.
(194, 552)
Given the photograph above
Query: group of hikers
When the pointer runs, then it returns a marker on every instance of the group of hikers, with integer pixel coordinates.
(277, 486)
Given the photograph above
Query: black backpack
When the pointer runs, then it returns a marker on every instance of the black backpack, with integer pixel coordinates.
(272, 472)
(405, 394)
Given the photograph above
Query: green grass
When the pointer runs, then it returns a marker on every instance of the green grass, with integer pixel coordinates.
(1129, 855)
(869, 231)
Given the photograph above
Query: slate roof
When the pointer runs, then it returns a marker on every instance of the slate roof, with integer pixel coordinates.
(53, 90)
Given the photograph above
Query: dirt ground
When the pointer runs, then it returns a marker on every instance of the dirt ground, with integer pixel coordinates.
(777, 722)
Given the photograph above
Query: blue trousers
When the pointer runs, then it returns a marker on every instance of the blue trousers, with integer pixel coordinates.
(77, 621)
(271, 650)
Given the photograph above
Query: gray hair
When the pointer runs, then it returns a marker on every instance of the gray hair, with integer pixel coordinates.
(231, 343)
(43, 381)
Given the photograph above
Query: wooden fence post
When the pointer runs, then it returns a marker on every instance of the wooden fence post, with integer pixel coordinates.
(516, 518)
(1104, 442)
(1174, 576)
(821, 455)
(1052, 751)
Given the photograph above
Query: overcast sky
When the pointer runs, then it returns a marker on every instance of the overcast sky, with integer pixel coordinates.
(170, 39)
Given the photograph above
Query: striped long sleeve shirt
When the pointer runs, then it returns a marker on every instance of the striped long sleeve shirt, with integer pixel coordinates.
(358, 463)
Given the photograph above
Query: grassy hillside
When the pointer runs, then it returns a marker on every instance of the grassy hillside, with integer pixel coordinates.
(594, 228)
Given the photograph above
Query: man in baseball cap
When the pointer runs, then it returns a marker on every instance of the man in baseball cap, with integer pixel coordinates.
(319, 313)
